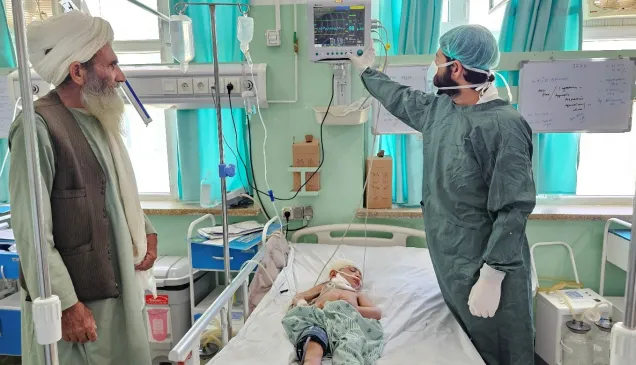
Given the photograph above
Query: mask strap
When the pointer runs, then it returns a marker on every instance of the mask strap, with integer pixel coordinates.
(506, 84)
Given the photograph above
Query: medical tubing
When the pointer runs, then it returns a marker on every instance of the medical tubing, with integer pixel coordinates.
(322, 149)
(255, 187)
(569, 304)
(364, 188)
(258, 109)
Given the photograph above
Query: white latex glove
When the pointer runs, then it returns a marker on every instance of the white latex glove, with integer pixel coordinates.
(484, 297)
(361, 63)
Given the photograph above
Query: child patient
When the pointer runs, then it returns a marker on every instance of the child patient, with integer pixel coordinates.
(335, 318)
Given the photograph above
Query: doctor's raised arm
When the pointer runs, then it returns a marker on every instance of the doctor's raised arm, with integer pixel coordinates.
(411, 106)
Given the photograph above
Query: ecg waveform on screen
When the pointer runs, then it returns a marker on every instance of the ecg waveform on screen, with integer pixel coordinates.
(340, 28)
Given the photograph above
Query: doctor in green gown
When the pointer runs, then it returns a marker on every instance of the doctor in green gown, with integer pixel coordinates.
(478, 190)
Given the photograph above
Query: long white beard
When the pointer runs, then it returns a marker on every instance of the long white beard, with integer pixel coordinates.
(104, 103)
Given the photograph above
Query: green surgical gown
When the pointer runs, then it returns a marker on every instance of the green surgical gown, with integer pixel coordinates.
(478, 191)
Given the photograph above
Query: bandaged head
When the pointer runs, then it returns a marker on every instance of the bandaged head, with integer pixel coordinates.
(340, 264)
(345, 280)
(56, 43)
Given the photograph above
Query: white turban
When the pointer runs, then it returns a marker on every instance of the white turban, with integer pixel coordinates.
(69, 37)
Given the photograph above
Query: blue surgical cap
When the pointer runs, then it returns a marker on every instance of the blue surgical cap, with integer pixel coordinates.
(472, 45)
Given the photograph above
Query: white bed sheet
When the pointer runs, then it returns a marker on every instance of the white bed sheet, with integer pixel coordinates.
(418, 327)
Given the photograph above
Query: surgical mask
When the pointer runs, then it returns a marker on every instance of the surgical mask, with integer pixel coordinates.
(432, 71)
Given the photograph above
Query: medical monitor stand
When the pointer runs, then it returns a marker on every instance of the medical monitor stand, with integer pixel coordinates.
(336, 31)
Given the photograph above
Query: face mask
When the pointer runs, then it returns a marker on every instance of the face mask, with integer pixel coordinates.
(432, 71)
(430, 76)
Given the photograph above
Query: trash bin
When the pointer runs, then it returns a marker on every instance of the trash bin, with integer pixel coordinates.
(168, 315)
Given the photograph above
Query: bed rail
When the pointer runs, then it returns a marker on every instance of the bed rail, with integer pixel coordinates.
(325, 235)
(187, 350)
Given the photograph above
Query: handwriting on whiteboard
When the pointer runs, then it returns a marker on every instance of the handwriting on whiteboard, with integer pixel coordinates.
(581, 95)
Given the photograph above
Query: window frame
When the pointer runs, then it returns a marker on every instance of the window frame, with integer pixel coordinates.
(161, 46)
(494, 5)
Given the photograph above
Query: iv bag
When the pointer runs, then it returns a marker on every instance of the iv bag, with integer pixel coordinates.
(181, 40)
(245, 32)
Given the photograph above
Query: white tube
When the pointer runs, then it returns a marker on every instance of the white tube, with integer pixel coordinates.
(136, 103)
(295, 99)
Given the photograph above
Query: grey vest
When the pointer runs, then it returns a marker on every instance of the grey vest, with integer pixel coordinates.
(81, 230)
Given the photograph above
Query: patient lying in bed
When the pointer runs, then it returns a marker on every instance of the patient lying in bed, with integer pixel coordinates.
(335, 318)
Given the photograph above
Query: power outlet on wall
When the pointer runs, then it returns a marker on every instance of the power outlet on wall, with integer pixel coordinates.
(297, 213)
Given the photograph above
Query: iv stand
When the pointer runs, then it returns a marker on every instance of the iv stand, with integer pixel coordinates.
(28, 111)
(224, 170)
(623, 343)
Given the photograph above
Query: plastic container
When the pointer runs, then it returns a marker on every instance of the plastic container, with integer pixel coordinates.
(245, 31)
(577, 344)
(601, 342)
(182, 40)
(339, 115)
(205, 193)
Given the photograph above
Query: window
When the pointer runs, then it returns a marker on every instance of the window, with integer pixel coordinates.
(137, 41)
(606, 165)
(33, 10)
(445, 11)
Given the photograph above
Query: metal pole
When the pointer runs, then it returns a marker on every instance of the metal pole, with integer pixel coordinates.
(159, 15)
(630, 292)
(217, 91)
(30, 137)
(246, 303)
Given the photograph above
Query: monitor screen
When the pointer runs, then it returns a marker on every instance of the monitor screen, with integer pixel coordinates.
(339, 26)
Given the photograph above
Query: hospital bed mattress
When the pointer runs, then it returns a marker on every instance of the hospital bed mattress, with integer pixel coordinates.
(418, 327)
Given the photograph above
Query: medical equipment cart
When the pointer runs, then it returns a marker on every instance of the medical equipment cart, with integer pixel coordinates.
(552, 311)
(209, 257)
(9, 296)
(168, 315)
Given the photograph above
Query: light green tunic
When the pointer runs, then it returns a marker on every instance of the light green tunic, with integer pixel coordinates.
(121, 326)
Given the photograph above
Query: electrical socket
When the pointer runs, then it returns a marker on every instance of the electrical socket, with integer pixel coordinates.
(236, 83)
(287, 210)
(308, 213)
(298, 213)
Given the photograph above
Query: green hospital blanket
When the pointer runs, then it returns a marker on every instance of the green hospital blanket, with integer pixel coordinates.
(353, 339)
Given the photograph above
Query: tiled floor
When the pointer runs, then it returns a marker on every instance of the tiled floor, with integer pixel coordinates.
(6, 360)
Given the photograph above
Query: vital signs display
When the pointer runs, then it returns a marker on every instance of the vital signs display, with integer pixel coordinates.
(338, 29)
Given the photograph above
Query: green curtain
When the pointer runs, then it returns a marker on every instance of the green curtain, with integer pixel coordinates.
(197, 141)
(7, 60)
(413, 28)
(537, 26)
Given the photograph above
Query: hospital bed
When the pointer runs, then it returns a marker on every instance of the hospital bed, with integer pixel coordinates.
(418, 327)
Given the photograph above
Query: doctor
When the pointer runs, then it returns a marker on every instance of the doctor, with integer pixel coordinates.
(478, 190)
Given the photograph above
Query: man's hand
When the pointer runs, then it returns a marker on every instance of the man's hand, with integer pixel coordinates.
(151, 254)
(78, 324)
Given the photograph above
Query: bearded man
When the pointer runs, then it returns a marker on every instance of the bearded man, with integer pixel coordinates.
(101, 246)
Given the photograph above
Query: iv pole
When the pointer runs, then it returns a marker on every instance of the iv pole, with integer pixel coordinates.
(47, 331)
(623, 343)
(224, 170)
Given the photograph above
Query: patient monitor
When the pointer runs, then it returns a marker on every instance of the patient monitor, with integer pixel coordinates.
(338, 29)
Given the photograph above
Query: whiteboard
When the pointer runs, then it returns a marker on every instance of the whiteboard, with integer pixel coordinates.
(577, 95)
(413, 76)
